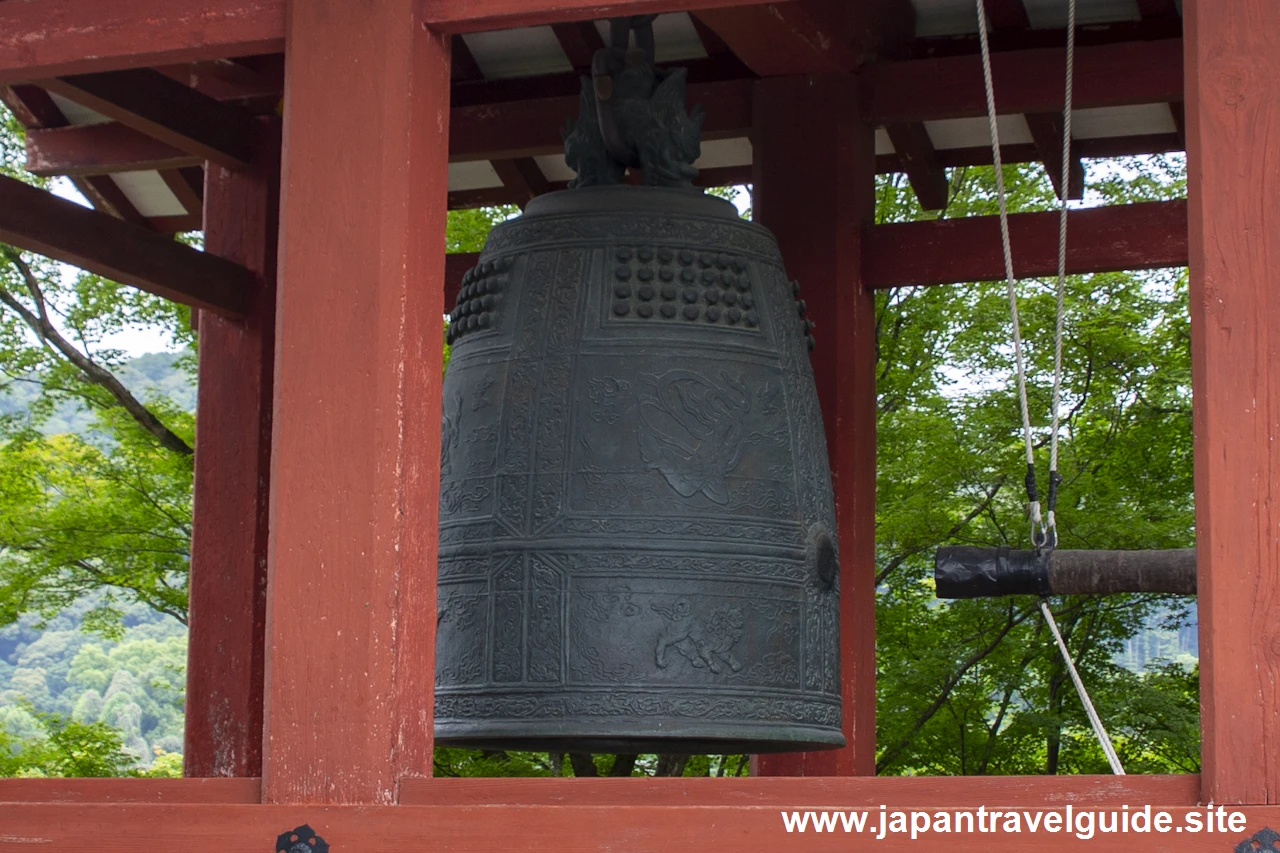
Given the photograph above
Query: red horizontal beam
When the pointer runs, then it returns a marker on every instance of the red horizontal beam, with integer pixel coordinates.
(950, 251)
(783, 38)
(40, 222)
(532, 127)
(49, 38)
(469, 16)
(580, 828)
(1025, 81)
(480, 132)
(226, 791)
(1100, 239)
(99, 149)
(848, 791)
(1112, 146)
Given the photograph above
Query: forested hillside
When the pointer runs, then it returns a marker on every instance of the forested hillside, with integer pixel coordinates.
(151, 375)
(133, 683)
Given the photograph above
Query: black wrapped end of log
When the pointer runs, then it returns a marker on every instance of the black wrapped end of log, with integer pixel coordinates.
(966, 572)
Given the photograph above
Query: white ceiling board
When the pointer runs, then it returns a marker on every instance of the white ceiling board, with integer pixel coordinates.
(883, 144)
(1122, 121)
(945, 17)
(473, 175)
(148, 192)
(76, 114)
(522, 52)
(975, 132)
(1052, 14)
(674, 38)
(959, 17)
(718, 153)
(554, 167)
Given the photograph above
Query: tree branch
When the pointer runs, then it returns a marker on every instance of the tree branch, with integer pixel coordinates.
(894, 564)
(891, 754)
(92, 371)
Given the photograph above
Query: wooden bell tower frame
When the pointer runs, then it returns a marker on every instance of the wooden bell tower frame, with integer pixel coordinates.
(321, 295)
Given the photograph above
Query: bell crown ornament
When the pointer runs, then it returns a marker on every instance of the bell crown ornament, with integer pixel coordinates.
(637, 548)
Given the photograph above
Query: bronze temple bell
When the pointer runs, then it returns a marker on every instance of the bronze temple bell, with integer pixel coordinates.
(637, 546)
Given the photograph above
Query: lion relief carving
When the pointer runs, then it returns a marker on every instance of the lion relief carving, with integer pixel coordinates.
(705, 643)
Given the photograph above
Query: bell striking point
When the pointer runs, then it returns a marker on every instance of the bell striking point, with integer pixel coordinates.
(636, 518)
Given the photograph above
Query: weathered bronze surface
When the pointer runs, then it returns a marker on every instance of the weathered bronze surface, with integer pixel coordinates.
(636, 523)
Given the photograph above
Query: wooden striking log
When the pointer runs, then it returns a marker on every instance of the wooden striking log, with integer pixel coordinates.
(967, 572)
(40, 222)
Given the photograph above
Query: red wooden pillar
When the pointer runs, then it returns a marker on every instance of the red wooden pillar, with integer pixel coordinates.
(1233, 158)
(815, 189)
(233, 455)
(355, 459)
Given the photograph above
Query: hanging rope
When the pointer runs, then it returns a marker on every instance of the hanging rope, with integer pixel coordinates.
(1044, 532)
(1033, 498)
(1099, 731)
(1051, 521)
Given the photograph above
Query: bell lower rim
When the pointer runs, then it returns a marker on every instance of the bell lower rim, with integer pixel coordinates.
(718, 739)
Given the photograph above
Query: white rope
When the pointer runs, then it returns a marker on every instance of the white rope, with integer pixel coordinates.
(1048, 526)
(1094, 720)
(1034, 507)
(1051, 523)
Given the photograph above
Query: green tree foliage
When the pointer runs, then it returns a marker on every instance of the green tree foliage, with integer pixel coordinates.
(65, 747)
(107, 509)
(977, 687)
(132, 686)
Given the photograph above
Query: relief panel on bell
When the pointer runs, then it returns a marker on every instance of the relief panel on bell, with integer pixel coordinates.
(546, 620)
(551, 450)
(672, 633)
(461, 632)
(469, 437)
(507, 601)
(712, 438)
